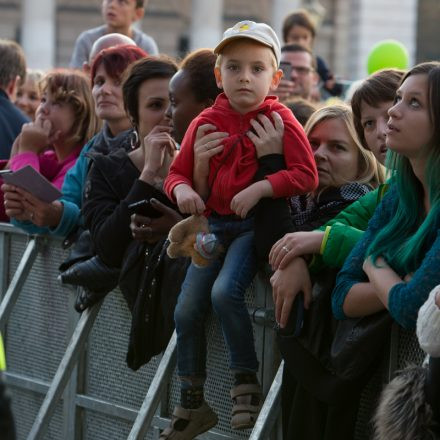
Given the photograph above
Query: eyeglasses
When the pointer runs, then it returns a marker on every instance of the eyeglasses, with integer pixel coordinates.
(302, 70)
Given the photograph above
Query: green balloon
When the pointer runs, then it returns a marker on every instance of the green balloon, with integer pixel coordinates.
(387, 54)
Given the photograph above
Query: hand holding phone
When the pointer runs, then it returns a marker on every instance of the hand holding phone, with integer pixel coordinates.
(143, 207)
(286, 67)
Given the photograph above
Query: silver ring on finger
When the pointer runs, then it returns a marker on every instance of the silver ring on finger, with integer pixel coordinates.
(31, 215)
(285, 249)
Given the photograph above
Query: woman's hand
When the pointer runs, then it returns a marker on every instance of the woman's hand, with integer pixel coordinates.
(157, 144)
(206, 146)
(292, 245)
(188, 201)
(371, 269)
(382, 277)
(34, 136)
(285, 89)
(286, 284)
(153, 229)
(269, 136)
(40, 213)
(13, 202)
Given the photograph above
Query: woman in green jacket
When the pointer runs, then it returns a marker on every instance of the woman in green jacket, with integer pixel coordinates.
(330, 244)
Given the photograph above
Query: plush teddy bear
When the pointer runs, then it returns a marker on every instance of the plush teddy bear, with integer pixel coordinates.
(191, 238)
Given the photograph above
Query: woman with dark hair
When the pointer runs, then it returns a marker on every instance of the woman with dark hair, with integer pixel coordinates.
(63, 216)
(192, 89)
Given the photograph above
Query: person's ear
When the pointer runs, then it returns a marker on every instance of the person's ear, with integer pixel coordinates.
(11, 88)
(315, 77)
(218, 77)
(276, 79)
(86, 68)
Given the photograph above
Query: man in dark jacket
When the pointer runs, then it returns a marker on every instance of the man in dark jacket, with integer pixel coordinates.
(12, 71)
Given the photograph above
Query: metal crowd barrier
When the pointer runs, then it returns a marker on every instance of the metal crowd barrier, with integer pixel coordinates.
(67, 372)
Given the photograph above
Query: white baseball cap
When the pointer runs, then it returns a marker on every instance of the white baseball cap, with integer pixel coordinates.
(260, 32)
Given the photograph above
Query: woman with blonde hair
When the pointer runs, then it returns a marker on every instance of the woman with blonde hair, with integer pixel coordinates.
(65, 121)
(346, 171)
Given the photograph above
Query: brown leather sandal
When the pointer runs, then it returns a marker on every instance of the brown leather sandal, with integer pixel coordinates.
(187, 424)
(247, 399)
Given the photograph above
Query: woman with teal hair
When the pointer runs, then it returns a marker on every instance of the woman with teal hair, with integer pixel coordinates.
(396, 263)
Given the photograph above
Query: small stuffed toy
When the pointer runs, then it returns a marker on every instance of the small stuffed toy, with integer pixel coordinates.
(191, 238)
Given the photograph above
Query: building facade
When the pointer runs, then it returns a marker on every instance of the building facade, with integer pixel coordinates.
(348, 29)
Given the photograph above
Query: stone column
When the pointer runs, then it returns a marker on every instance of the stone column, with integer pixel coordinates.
(38, 33)
(280, 8)
(206, 27)
(375, 20)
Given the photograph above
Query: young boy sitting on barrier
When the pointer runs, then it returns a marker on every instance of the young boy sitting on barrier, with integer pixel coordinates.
(223, 188)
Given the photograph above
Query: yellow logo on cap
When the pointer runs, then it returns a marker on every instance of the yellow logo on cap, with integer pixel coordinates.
(243, 27)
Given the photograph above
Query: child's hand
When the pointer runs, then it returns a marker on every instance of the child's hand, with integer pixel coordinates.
(188, 201)
(245, 200)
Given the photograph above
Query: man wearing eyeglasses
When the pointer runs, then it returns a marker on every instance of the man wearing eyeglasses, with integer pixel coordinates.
(300, 78)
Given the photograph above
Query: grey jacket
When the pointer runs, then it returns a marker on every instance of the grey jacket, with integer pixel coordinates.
(86, 39)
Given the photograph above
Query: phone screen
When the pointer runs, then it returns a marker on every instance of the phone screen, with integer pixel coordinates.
(286, 67)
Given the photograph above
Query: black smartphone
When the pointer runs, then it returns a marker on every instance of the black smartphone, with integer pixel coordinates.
(144, 207)
(286, 67)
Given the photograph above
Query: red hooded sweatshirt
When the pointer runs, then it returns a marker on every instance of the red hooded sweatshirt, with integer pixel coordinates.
(232, 171)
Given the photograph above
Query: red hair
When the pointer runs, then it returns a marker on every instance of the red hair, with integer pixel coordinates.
(116, 59)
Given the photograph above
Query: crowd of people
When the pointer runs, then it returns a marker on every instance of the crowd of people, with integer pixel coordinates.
(339, 202)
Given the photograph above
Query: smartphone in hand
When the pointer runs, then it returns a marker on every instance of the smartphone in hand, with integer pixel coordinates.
(286, 67)
(144, 207)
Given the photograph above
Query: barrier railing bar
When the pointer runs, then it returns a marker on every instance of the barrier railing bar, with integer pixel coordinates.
(23, 269)
(270, 410)
(107, 408)
(70, 427)
(160, 380)
(4, 265)
(63, 372)
(25, 382)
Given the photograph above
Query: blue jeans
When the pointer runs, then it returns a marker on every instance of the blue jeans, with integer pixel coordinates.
(223, 283)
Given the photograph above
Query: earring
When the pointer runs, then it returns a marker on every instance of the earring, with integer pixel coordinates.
(134, 139)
